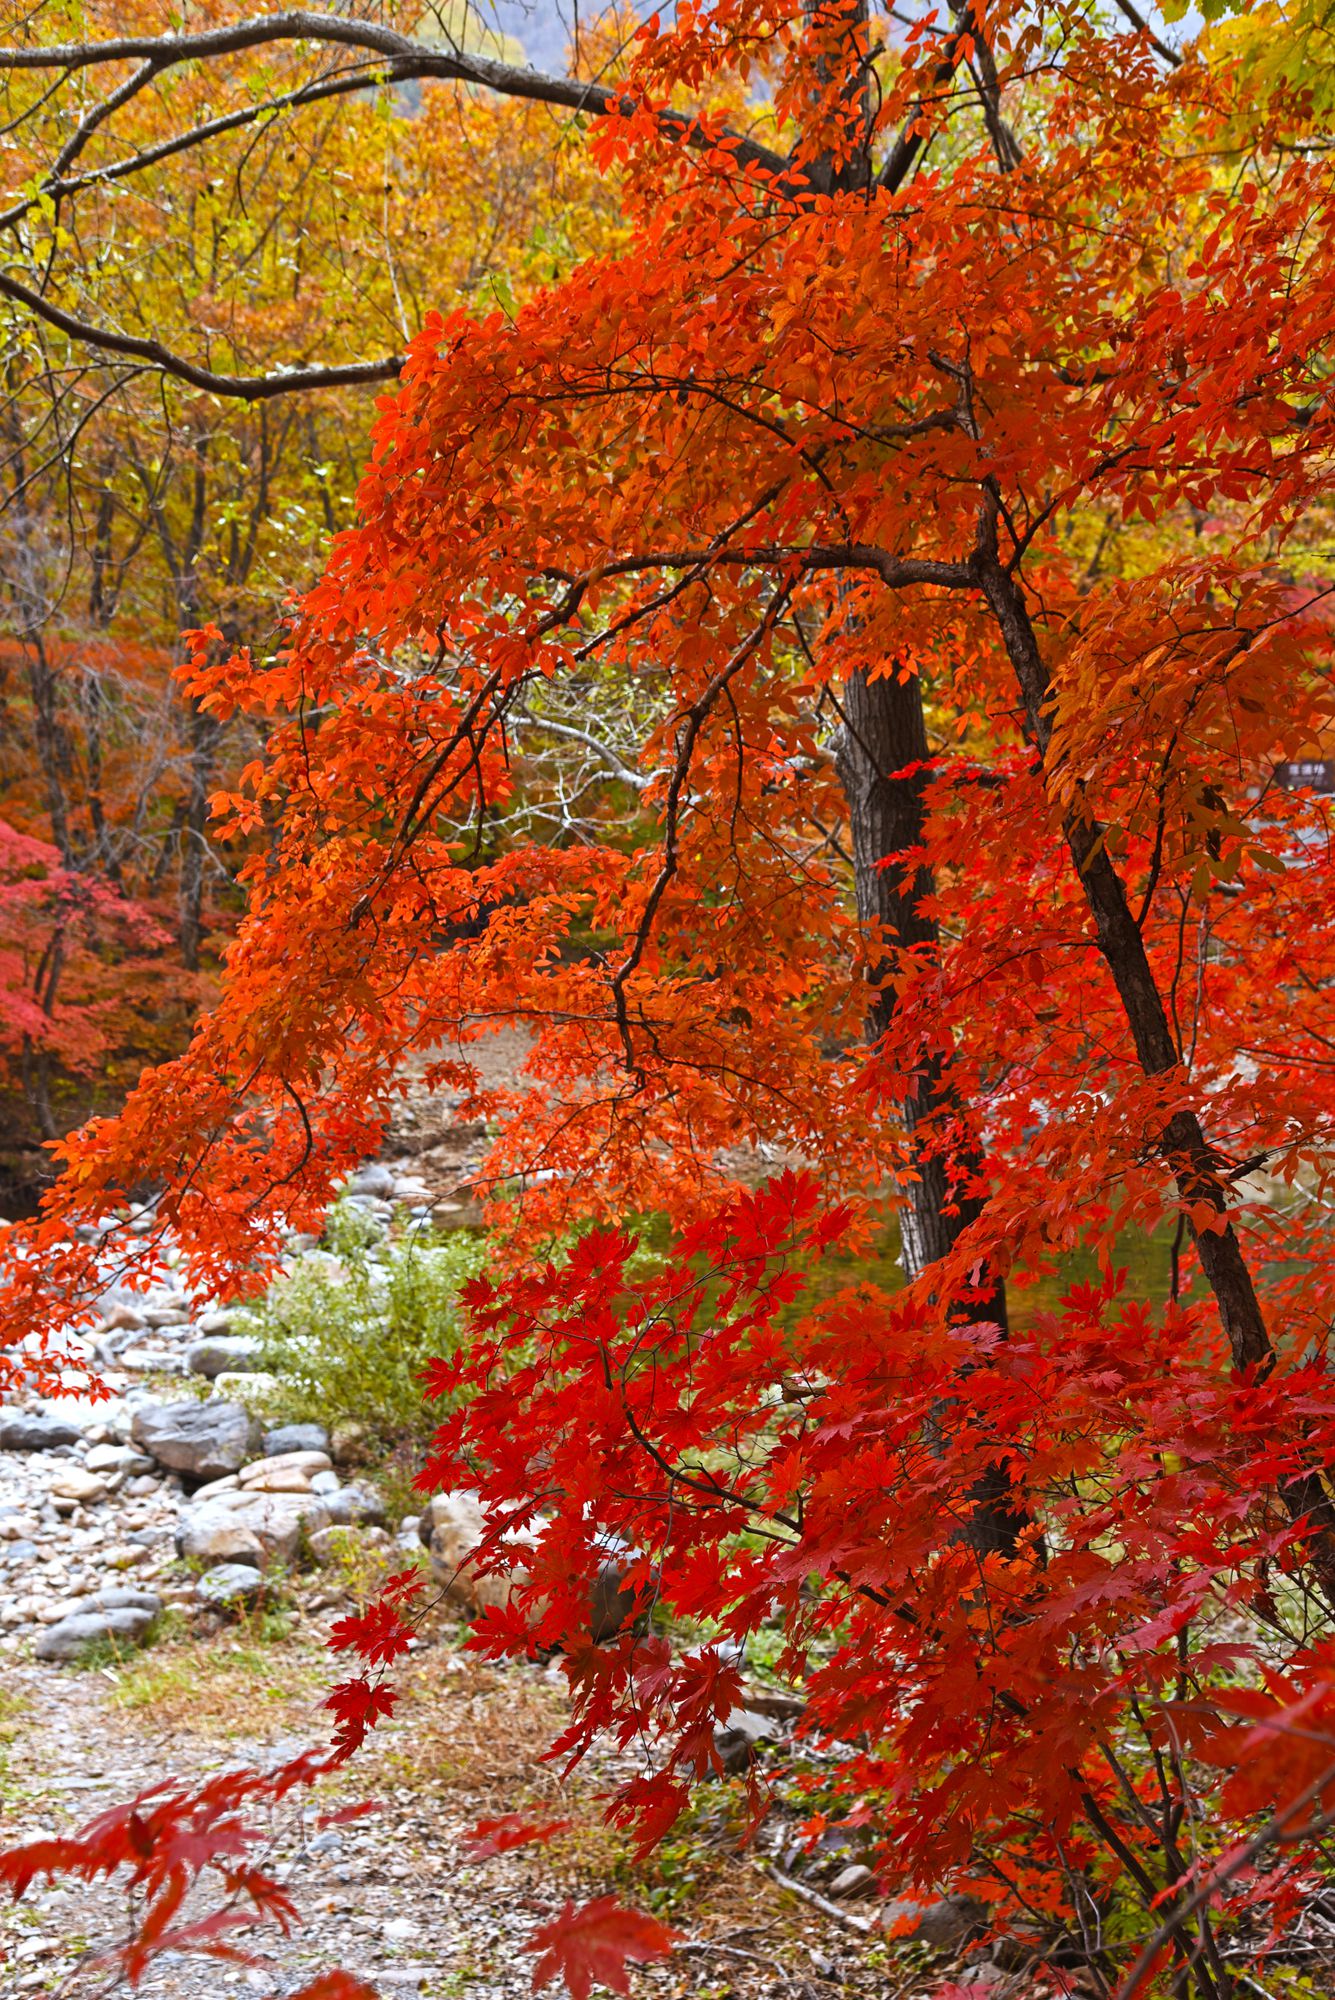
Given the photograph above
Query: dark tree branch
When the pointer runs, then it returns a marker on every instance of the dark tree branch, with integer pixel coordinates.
(298, 25)
(911, 141)
(99, 114)
(244, 388)
(899, 572)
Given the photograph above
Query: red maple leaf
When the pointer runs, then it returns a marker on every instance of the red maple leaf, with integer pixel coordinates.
(596, 1941)
(336, 1986)
(497, 1836)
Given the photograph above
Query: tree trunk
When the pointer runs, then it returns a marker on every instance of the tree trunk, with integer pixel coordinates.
(53, 746)
(882, 755)
(885, 735)
(1196, 1167)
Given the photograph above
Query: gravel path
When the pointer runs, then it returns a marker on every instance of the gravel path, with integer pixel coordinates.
(392, 1897)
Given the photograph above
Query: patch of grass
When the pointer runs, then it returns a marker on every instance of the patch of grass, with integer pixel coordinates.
(471, 1728)
(215, 1687)
(12, 1706)
(15, 1793)
(268, 1623)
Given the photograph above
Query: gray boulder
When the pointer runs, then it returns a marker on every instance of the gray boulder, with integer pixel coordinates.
(201, 1440)
(223, 1353)
(373, 1180)
(945, 1925)
(212, 1535)
(354, 1507)
(229, 1585)
(252, 1528)
(295, 1437)
(120, 1597)
(31, 1431)
(66, 1640)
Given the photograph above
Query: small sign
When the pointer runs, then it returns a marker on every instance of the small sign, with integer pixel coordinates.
(1312, 774)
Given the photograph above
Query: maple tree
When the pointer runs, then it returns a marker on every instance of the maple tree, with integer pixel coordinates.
(83, 1002)
(947, 466)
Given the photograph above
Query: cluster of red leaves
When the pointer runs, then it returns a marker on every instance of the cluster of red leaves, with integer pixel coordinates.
(161, 1846)
(596, 1941)
(167, 1841)
(814, 1467)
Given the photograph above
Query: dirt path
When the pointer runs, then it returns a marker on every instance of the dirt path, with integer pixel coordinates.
(392, 1897)
(388, 1897)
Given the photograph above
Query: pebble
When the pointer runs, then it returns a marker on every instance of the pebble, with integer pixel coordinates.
(855, 1880)
(78, 1486)
(116, 1458)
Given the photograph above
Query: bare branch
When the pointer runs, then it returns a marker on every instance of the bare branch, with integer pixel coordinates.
(245, 388)
(506, 79)
(99, 114)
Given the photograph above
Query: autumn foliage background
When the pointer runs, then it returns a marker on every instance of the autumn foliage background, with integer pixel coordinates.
(822, 615)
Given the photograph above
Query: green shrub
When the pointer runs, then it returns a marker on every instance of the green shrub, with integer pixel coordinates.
(350, 1329)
